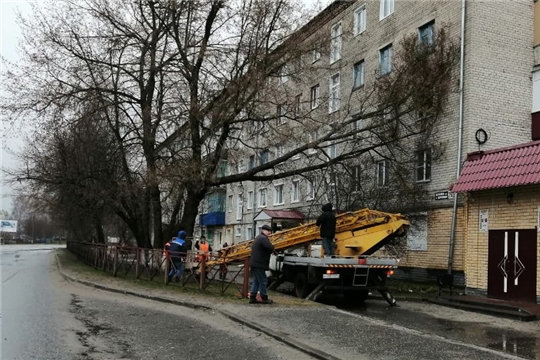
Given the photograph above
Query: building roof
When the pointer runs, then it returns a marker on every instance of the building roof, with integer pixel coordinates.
(500, 168)
(279, 214)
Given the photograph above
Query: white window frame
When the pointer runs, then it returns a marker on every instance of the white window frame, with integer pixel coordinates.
(336, 33)
(239, 207)
(331, 150)
(279, 151)
(284, 74)
(385, 60)
(295, 191)
(314, 94)
(249, 232)
(334, 93)
(423, 163)
(297, 107)
(230, 203)
(262, 198)
(250, 199)
(358, 73)
(382, 173)
(278, 194)
(238, 230)
(359, 20)
(386, 8)
(316, 55)
(310, 191)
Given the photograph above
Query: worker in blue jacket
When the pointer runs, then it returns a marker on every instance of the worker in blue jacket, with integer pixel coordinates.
(177, 252)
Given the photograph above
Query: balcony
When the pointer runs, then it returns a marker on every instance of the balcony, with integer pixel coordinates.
(213, 219)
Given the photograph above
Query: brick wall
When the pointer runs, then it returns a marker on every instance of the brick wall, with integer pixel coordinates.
(522, 213)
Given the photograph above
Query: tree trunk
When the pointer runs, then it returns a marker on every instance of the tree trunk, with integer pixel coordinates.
(191, 209)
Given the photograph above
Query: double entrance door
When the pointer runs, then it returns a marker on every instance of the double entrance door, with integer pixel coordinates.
(512, 265)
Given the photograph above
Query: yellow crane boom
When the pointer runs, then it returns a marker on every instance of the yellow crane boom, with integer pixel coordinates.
(360, 232)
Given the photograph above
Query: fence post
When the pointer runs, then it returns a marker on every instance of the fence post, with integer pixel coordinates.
(202, 276)
(167, 268)
(245, 284)
(138, 260)
(115, 260)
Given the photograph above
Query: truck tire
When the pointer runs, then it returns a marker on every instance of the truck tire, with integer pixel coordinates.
(356, 296)
(301, 286)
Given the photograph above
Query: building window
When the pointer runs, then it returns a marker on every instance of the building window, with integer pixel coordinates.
(262, 197)
(250, 200)
(333, 99)
(316, 55)
(426, 33)
(251, 162)
(331, 151)
(360, 20)
(295, 191)
(278, 194)
(385, 60)
(264, 157)
(382, 173)
(249, 233)
(230, 203)
(358, 74)
(281, 114)
(314, 97)
(423, 165)
(335, 44)
(222, 169)
(239, 207)
(238, 231)
(387, 8)
(279, 151)
(310, 191)
(313, 137)
(283, 74)
(297, 107)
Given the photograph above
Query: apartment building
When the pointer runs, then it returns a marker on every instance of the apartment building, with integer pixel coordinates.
(489, 107)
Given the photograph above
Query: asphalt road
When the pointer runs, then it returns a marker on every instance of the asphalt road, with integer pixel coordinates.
(46, 317)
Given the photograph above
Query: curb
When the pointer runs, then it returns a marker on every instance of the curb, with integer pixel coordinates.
(287, 340)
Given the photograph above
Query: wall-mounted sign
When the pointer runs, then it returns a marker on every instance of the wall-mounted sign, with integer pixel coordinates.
(484, 220)
(444, 195)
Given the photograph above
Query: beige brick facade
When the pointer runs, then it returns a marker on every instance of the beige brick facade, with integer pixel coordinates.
(497, 98)
(522, 213)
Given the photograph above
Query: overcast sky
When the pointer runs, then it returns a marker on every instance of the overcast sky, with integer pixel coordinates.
(12, 137)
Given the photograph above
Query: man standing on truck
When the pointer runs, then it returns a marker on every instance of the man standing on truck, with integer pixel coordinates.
(261, 249)
(327, 224)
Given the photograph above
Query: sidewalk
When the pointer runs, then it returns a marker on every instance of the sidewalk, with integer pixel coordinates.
(320, 331)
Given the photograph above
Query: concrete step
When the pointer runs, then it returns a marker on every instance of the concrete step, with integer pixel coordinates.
(503, 310)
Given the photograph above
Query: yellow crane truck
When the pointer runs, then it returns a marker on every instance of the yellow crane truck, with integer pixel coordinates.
(353, 270)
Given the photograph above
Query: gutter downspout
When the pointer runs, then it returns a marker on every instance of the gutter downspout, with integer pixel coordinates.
(460, 135)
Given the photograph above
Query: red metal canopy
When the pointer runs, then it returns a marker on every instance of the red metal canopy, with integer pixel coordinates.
(500, 168)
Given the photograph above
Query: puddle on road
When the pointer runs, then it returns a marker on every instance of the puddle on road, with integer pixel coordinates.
(485, 335)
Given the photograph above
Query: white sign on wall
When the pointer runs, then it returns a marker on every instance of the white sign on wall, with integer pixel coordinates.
(484, 220)
(8, 226)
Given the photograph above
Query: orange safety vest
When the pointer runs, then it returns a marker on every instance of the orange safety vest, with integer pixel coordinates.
(204, 248)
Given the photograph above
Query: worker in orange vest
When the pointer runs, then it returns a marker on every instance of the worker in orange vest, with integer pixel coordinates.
(204, 248)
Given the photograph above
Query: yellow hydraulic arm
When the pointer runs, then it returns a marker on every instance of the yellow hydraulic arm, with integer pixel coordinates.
(361, 232)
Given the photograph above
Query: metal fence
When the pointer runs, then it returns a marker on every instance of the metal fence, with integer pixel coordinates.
(221, 276)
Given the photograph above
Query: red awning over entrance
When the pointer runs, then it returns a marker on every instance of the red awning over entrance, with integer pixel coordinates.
(500, 168)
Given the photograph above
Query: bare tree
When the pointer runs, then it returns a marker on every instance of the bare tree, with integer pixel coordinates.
(184, 85)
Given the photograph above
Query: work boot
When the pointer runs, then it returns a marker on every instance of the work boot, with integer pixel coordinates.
(253, 299)
(266, 300)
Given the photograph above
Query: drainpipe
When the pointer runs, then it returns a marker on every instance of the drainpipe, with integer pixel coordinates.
(460, 136)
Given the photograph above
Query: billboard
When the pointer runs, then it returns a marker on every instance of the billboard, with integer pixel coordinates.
(8, 226)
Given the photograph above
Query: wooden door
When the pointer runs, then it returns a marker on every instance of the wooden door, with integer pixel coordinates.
(512, 265)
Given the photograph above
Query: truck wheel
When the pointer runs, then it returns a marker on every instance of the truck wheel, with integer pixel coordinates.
(356, 296)
(301, 287)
